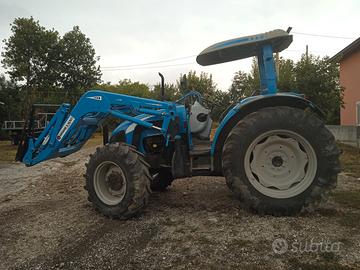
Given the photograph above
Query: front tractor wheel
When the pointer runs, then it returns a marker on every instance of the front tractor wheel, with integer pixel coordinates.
(280, 160)
(117, 181)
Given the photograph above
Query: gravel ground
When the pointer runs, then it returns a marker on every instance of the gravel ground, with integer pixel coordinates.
(47, 223)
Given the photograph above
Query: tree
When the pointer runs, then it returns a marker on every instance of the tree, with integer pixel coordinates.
(245, 84)
(10, 97)
(204, 83)
(26, 55)
(286, 76)
(315, 77)
(171, 92)
(45, 63)
(318, 79)
(127, 87)
(77, 62)
(10, 101)
(221, 100)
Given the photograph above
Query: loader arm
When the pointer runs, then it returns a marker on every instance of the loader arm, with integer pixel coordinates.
(69, 130)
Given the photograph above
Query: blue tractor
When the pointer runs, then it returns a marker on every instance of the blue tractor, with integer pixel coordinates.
(272, 148)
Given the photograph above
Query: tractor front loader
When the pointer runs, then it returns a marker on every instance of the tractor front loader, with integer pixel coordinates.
(273, 148)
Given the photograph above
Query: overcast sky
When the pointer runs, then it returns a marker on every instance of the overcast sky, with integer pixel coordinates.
(141, 31)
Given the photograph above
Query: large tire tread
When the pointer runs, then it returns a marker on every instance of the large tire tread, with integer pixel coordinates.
(327, 156)
(134, 167)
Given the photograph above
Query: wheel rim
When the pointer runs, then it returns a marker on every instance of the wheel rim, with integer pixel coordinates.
(109, 183)
(280, 164)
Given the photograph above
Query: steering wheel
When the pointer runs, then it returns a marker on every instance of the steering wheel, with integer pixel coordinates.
(194, 95)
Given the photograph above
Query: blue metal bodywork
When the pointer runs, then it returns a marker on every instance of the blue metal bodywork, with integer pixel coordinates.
(68, 131)
(128, 127)
(291, 99)
(267, 70)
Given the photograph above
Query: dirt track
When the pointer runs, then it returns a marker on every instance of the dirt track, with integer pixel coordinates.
(47, 223)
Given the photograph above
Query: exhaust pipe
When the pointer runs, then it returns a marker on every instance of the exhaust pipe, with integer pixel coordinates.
(162, 87)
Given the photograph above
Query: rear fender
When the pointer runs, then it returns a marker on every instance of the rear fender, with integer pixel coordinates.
(247, 106)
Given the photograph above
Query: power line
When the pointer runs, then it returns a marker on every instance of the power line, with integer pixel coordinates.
(319, 35)
(150, 63)
(139, 68)
(145, 65)
(142, 67)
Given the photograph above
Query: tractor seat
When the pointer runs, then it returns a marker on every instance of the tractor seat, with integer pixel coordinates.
(243, 47)
(200, 121)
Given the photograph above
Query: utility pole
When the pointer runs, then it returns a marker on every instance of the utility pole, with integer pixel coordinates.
(307, 53)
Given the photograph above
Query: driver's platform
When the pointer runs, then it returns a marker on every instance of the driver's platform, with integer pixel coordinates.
(200, 155)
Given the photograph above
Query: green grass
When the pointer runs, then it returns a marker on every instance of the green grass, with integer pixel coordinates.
(96, 139)
(350, 220)
(7, 152)
(350, 160)
(350, 199)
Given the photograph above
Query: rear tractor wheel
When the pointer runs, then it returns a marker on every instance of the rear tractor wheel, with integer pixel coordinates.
(117, 181)
(280, 160)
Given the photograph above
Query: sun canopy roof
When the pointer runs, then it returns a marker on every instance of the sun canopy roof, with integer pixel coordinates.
(243, 47)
